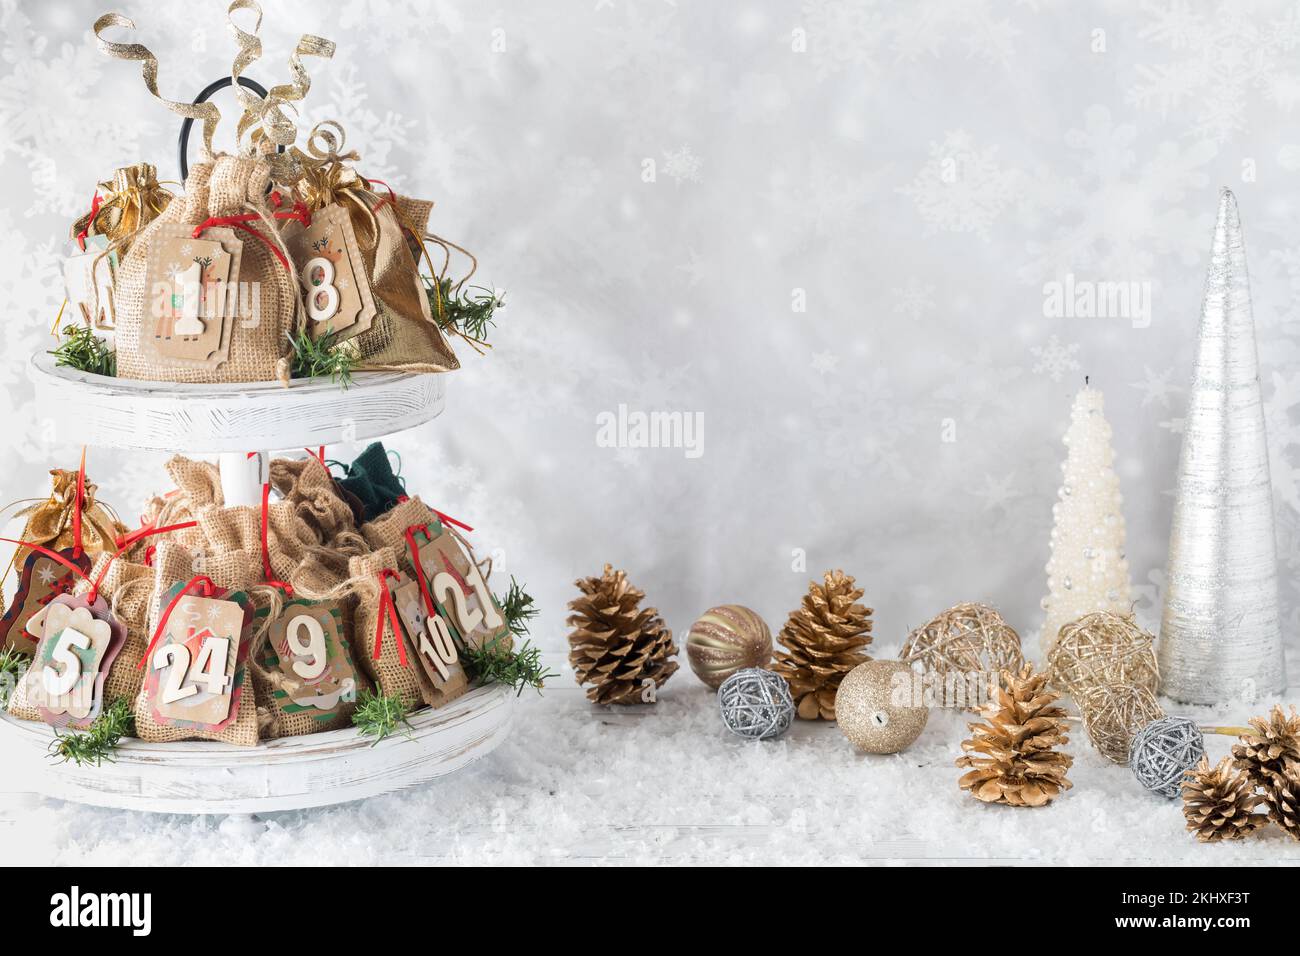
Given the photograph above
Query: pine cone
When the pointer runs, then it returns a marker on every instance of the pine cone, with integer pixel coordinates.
(1275, 743)
(1283, 801)
(614, 646)
(1218, 802)
(1016, 764)
(823, 638)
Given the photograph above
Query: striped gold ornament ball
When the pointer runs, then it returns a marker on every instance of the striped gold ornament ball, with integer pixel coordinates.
(726, 639)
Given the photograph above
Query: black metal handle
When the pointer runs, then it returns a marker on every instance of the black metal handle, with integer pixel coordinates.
(208, 90)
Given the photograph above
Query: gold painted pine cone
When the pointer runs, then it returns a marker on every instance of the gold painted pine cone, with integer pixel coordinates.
(1219, 802)
(726, 639)
(823, 641)
(1011, 754)
(616, 645)
(1274, 742)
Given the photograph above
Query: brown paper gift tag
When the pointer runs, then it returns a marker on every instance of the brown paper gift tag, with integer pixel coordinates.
(305, 647)
(41, 580)
(336, 289)
(76, 644)
(434, 647)
(459, 592)
(191, 290)
(192, 668)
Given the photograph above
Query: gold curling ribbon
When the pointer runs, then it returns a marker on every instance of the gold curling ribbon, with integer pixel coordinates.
(207, 112)
(326, 178)
(264, 119)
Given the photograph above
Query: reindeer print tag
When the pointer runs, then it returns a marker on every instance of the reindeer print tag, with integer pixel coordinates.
(335, 287)
(191, 296)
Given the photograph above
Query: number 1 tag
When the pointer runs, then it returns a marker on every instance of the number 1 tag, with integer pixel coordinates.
(195, 677)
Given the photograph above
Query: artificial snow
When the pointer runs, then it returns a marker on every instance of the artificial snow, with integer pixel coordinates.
(666, 783)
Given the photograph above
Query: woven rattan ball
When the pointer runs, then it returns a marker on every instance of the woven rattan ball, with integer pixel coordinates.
(1103, 648)
(1163, 751)
(1113, 714)
(963, 641)
(756, 703)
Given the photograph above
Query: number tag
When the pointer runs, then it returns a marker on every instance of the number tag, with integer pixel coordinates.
(76, 644)
(307, 651)
(191, 296)
(335, 287)
(460, 593)
(39, 583)
(194, 675)
(88, 282)
(434, 646)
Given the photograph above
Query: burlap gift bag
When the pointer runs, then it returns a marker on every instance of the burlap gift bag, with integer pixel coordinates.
(239, 529)
(265, 309)
(172, 564)
(198, 487)
(386, 655)
(389, 529)
(311, 490)
(128, 588)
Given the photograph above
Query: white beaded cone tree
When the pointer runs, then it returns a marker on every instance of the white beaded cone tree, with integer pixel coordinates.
(1087, 570)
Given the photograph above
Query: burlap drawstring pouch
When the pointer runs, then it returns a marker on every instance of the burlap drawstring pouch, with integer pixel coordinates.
(311, 490)
(384, 651)
(243, 275)
(208, 292)
(173, 566)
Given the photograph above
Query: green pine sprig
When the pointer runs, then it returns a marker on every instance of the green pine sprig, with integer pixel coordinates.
(85, 351)
(97, 743)
(495, 663)
(378, 715)
(13, 664)
(469, 312)
(316, 358)
(518, 608)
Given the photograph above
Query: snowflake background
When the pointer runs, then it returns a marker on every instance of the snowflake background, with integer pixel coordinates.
(912, 174)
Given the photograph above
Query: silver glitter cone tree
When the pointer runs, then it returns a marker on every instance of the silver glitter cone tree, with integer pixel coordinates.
(1220, 634)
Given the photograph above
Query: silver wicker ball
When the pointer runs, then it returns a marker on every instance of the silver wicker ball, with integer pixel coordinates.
(756, 703)
(1162, 751)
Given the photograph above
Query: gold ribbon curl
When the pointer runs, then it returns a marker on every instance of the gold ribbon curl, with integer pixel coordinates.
(129, 201)
(207, 112)
(264, 120)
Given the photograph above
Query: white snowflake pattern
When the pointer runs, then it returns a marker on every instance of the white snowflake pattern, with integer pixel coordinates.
(46, 575)
(962, 188)
(997, 492)
(1222, 56)
(915, 299)
(681, 165)
(1055, 358)
(824, 362)
(1155, 386)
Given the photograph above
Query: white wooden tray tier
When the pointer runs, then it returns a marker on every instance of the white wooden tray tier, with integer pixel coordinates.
(201, 419)
(287, 774)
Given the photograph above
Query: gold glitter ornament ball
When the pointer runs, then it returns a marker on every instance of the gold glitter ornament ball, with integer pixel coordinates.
(874, 709)
(725, 640)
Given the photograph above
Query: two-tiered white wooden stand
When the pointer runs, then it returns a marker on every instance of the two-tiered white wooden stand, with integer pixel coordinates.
(293, 772)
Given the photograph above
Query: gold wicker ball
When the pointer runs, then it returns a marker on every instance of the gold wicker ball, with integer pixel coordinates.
(1114, 713)
(1103, 648)
(964, 643)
